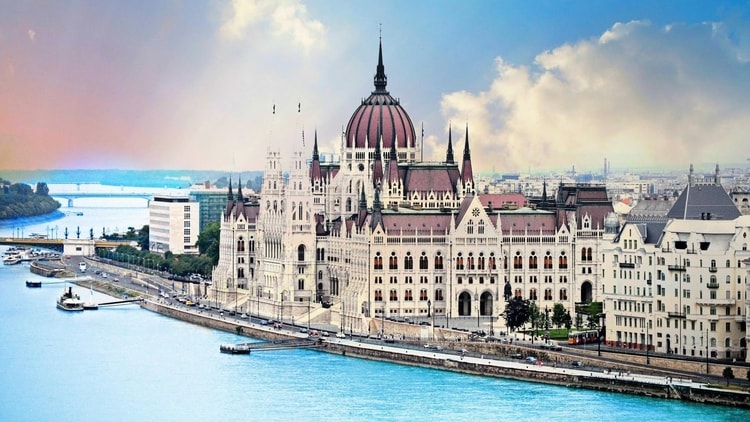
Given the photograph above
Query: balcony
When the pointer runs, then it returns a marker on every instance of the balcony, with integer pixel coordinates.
(676, 267)
(627, 265)
(712, 269)
(676, 314)
(715, 302)
(713, 285)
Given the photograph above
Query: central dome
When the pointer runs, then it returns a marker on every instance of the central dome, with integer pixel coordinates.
(380, 114)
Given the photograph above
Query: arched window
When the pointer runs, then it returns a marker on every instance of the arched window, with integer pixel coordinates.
(563, 294)
(480, 261)
(378, 261)
(393, 295)
(241, 245)
(532, 261)
(423, 262)
(301, 253)
(408, 261)
(378, 295)
(532, 294)
(438, 261)
(548, 261)
(562, 261)
(439, 294)
(470, 261)
(301, 284)
(393, 261)
(460, 262)
(470, 227)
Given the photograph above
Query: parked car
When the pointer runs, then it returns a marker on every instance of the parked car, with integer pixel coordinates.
(530, 359)
(576, 364)
(340, 335)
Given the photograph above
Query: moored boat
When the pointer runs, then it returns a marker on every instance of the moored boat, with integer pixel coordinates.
(235, 349)
(69, 301)
(33, 283)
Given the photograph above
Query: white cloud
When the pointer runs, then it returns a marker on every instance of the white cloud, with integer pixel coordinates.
(32, 35)
(287, 19)
(638, 95)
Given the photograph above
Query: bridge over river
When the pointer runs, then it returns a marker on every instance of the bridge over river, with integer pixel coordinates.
(72, 196)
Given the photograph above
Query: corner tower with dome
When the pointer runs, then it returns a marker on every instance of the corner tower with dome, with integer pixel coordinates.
(380, 235)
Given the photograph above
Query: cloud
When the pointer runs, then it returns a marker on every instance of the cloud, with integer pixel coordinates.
(32, 35)
(639, 95)
(287, 20)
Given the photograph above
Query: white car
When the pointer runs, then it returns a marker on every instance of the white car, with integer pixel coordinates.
(340, 335)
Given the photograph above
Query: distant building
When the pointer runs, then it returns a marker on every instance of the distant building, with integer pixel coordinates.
(211, 202)
(173, 225)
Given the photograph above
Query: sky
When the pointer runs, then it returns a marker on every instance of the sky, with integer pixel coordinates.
(542, 85)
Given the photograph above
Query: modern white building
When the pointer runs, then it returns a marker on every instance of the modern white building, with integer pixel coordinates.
(173, 225)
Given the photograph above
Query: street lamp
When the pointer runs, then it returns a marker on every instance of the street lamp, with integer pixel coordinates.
(647, 342)
(546, 324)
(476, 299)
(429, 303)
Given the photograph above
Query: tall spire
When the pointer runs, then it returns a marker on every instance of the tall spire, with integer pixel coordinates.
(230, 199)
(377, 166)
(315, 173)
(230, 195)
(467, 175)
(449, 155)
(393, 163)
(380, 79)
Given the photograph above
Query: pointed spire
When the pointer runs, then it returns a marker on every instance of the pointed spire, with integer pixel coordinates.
(449, 155)
(393, 175)
(377, 166)
(380, 79)
(377, 216)
(230, 195)
(362, 199)
(467, 175)
(544, 192)
(230, 199)
(239, 190)
(315, 173)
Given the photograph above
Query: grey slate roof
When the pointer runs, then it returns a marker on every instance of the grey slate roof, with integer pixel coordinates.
(704, 202)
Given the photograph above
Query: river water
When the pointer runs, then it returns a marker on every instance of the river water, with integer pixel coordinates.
(126, 363)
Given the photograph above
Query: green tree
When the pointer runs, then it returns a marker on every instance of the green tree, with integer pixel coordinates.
(558, 315)
(728, 374)
(208, 242)
(534, 317)
(516, 313)
(568, 321)
(142, 238)
(42, 189)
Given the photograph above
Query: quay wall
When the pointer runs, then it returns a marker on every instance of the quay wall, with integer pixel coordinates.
(621, 385)
(574, 379)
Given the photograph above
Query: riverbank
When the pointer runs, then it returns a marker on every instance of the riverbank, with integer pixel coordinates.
(617, 381)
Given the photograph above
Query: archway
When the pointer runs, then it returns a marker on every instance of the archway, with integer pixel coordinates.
(485, 304)
(586, 292)
(464, 304)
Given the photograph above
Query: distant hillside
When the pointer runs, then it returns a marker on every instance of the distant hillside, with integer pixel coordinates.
(142, 178)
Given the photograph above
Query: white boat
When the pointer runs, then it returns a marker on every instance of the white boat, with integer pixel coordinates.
(69, 301)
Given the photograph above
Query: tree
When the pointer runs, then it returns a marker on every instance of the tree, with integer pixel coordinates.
(208, 242)
(142, 238)
(42, 189)
(728, 374)
(516, 313)
(568, 321)
(558, 314)
(534, 317)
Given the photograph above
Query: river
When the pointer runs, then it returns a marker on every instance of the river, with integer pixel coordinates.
(126, 363)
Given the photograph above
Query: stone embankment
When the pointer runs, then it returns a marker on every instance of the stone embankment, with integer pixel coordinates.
(611, 381)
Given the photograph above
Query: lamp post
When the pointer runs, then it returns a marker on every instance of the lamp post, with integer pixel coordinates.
(648, 362)
(546, 325)
(706, 351)
(476, 299)
(308, 314)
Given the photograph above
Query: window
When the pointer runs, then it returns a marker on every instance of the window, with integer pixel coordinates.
(547, 294)
(393, 295)
(301, 253)
(378, 295)
(438, 261)
(563, 294)
(408, 296)
(517, 261)
(562, 261)
(460, 262)
(378, 261)
(532, 294)
(532, 261)
(393, 261)
(423, 295)
(548, 261)
(439, 294)
(408, 261)
(423, 262)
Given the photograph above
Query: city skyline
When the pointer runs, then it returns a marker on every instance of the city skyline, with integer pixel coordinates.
(541, 85)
